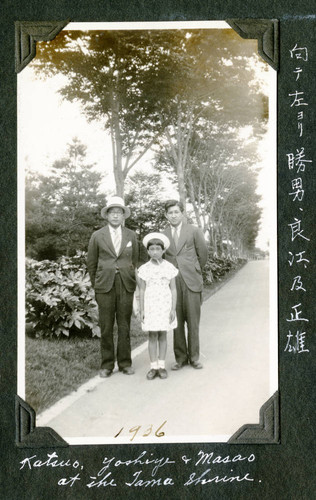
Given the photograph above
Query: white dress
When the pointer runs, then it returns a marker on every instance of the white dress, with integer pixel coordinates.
(157, 296)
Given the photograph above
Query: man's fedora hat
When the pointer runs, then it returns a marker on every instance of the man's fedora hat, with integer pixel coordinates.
(115, 202)
(157, 236)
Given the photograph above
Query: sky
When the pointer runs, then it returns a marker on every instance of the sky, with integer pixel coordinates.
(46, 124)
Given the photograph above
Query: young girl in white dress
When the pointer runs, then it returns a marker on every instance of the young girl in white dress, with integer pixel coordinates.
(158, 297)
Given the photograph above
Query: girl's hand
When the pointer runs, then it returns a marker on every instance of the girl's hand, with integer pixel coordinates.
(141, 316)
(172, 315)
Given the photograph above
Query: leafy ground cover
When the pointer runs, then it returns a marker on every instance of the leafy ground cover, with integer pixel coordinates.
(59, 298)
(57, 366)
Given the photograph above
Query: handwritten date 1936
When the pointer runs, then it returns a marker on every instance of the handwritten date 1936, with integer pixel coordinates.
(134, 430)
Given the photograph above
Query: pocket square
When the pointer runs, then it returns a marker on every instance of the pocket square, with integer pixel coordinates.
(129, 244)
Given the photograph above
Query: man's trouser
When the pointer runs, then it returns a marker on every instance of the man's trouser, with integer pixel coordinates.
(188, 311)
(115, 304)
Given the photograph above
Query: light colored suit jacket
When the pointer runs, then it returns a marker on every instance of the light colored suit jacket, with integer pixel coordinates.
(103, 263)
(190, 256)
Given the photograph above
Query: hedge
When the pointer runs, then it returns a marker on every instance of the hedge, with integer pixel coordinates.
(217, 267)
(60, 300)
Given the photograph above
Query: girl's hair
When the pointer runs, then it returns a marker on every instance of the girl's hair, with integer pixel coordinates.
(155, 241)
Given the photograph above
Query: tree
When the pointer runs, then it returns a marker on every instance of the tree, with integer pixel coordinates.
(121, 78)
(239, 217)
(62, 209)
(144, 199)
(221, 166)
(175, 89)
(219, 91)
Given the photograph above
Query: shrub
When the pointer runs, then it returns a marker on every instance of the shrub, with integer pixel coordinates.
(59, 297)
(217, 267)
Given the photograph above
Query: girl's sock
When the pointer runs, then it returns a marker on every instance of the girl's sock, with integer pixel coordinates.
(161, 363)
(154, 365)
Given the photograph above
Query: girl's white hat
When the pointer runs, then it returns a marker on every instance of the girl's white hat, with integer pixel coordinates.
(157, 236)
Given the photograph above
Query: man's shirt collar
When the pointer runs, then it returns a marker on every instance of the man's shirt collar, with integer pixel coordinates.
(113, 230)
(176, 228)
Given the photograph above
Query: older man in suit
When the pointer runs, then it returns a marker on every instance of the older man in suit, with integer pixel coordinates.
(112, 258)
(188, 253)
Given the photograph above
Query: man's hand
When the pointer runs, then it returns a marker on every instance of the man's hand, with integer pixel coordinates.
(172, 315)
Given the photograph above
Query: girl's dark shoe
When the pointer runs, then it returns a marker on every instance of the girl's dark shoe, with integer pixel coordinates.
(162, 373)
(152, 374)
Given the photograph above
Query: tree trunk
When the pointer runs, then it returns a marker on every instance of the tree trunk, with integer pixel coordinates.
(181, 185)
(179, 149)
(194, 203)
(118, 168)
(116, 140)
(180, 165)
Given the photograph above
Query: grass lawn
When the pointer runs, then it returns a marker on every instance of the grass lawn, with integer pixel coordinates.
(58, 366)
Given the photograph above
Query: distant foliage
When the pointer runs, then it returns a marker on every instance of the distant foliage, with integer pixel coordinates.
(59, 297)
(145, 197)
(216, 268)
(63, 209)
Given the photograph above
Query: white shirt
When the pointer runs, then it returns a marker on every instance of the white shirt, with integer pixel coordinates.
(177, 230)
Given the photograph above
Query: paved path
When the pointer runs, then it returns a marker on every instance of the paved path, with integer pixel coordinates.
(197, 405)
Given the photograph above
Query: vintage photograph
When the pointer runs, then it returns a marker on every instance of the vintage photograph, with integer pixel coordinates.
(147, 233)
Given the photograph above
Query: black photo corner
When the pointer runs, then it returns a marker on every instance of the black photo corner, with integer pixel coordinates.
(272, 457)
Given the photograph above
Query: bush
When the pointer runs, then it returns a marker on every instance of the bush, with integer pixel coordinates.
(59, 297)
(217, 267)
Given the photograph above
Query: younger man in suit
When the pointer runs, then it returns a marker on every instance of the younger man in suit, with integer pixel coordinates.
(112, 258)
(188, 253)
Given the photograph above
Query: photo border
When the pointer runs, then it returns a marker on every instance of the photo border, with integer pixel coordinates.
(266, 34)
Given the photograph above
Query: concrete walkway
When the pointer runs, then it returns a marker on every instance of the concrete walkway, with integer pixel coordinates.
(191, 405)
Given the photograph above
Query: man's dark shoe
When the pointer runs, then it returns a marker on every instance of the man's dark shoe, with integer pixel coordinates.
(105, 373)
(152, 374)
(177, 366)
(197, 365)
(128, 370)
(162, 373)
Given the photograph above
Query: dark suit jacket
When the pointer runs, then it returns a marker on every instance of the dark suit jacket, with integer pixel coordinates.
(190, 256)
(102, 260)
